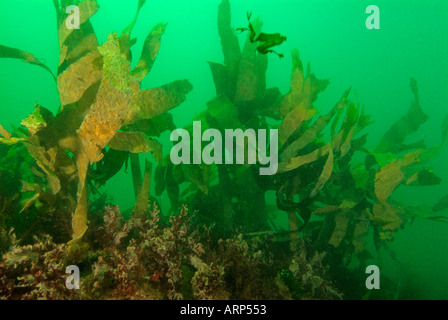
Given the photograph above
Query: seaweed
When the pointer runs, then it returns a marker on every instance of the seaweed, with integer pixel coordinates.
(394, 138)
(333, 193)
(100, 95)
(12, 53)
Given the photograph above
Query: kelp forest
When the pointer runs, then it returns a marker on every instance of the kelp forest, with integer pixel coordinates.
(223, 231)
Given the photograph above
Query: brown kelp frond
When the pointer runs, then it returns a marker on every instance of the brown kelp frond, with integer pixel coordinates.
(391, 175)
(120, 102)
(150, 51)
(99, 98)
(12, 53)
(242, 78)
(303, 232)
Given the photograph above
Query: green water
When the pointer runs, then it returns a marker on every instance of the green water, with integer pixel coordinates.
(377, 64)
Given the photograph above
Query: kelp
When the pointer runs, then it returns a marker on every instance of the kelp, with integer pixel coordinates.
(136, 142)
(120, 102)
(112, 163)
(242, 78)
(265, 41)
(112, 106)
(150, 51)
(360, 232)
(87, 9)
(325, 191)
(243, 101)
(80, 76)
(142, 204)
(153, 102)
(226, 75)
(100, 95)
(131, 26)
(5, 133)
(390, 176)
(251, 80)
(387, 218)
(394, 139)
(325, 175)
(423, 177)
(310, 134)
(12, 53)
(296, 106)
(341, 224)
(154, 126)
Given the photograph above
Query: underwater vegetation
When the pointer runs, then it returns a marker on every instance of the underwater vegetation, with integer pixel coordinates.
(220, 238)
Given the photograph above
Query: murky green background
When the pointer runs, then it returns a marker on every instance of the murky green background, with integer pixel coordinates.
(412, 42)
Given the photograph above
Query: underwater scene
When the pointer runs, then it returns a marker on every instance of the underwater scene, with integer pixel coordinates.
(223, 150)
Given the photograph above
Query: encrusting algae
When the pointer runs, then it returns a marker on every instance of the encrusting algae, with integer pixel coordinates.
(227, 245)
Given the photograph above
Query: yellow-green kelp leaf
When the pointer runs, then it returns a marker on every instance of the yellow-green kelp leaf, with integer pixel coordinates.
(142, 204)
(28, 202)
(315, 129)
(221, 78)
(150, 103)
(5, 133)
(80, 76)
(35, 191)
(87, 9)
(120, 102)
(304, 88)
(442, 204)
(136, 142)
(45, 161)
(361, 231)
(12, 53)
(79, 217)
(387, 218)
(37, 120)
(11, 141)
(112, 105)
(390, 176)
(294, 121)
(341, 221)
(325, 175)
(75, 44)
(150, 51)
(299, 161)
